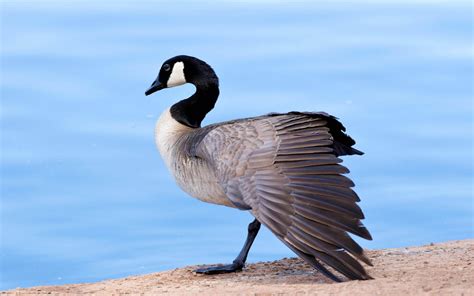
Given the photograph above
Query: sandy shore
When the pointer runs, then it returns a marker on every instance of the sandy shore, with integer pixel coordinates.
(436, 269)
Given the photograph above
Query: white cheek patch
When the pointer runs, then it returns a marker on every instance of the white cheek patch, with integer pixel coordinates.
(177, 75)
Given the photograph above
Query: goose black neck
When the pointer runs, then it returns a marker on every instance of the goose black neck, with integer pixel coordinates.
(192, 110)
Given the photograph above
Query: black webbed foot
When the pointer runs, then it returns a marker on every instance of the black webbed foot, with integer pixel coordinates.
(218, 269)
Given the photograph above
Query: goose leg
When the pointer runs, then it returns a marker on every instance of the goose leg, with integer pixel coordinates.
(239, 262)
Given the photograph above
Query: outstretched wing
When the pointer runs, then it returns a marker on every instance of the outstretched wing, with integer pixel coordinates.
(285, 168)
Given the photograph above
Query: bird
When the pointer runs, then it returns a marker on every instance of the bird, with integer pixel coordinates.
(284, 168)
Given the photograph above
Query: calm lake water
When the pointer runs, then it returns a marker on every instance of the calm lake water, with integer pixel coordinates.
(84, 193)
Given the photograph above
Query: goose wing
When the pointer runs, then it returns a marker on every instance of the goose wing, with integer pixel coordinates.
(285, 169)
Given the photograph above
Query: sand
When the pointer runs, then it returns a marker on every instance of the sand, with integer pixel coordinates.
(435, 269)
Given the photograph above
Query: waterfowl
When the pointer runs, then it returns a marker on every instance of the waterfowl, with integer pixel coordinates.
(282, 167)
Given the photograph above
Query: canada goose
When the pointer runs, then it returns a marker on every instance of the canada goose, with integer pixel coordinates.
(283, 168)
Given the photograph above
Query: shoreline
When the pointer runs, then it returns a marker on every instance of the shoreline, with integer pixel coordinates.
(441, 268)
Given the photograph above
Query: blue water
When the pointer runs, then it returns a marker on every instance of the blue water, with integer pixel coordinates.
(84, 193)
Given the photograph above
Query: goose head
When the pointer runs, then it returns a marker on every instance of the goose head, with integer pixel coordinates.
(184, 69)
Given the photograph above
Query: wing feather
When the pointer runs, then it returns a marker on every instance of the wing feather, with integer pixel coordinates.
(318, 170)
(337, 206)
(339, 258)
(340, 222)
(306, 254)
(297, 158)
(339, 193)
(305, 143)
(306, 150)
(331, 180)
(330, 235)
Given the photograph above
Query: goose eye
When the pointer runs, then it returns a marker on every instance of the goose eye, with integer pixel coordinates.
(166, 67)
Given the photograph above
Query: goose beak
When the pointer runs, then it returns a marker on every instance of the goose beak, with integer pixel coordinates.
(155, 86)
